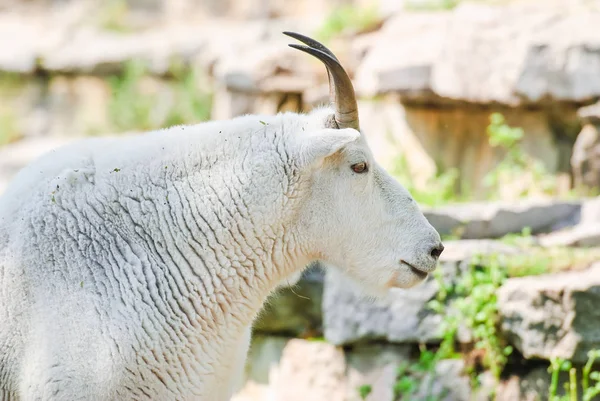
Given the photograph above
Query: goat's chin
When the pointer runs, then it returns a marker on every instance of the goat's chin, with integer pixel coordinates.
(374, 287)
(367, 287)
(406, 280)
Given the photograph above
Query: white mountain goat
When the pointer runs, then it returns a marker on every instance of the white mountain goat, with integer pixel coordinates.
(132, 268)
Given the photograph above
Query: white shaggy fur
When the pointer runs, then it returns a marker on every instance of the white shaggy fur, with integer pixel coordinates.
(133, 267)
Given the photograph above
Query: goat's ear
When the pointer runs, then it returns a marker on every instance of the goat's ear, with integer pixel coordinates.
(315, 146)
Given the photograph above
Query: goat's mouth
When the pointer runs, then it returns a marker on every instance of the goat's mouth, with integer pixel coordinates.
(419, 273)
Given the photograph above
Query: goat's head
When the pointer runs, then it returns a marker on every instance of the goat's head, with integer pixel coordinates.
(363, 221)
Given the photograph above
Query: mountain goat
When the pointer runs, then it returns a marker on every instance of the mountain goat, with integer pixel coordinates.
(133, 267)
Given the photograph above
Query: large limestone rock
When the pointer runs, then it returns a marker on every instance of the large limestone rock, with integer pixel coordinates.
(590, 211)
(496, 219)
(67, 39)
(297, 371)
(554, 315)
(143, 14)
(256, 72)
(375, 366)
(473, 55)
(584, 235)
(281, 369)
(403, 316)
(586, 231)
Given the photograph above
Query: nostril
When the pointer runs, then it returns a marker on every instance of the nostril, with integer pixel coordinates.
(437, 251)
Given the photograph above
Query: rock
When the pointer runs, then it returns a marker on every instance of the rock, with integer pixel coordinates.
(376, 366)
(590, 211)
(496, 219)
(446, 383)
(402, 58)
(81, 47)
(570, 38)
(553, 315)
(93, 51)
(282, 369)
(533, 383)
(300, 370)
(526, 388)
(590, 114)
(228, 104)
(294, 310)
(146, 13)
(459, 251)
(266, 68)
(585, 161)
(471, 55)
(22, 40)
(583, 235)
(401, 317)
(297, 378)
(256, 72)
(254, 57)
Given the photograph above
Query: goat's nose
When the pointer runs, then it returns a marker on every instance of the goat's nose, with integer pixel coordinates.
(437, 251)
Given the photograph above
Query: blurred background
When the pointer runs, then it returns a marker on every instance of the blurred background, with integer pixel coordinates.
(486, 110)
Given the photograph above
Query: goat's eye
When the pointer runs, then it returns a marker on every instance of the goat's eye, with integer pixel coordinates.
(360, 167)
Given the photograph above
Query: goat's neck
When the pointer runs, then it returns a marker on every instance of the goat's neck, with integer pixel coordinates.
(237, 255)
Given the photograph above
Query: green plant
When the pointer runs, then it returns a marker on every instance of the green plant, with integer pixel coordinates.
(133, 106)
(431, 5)
(11, 87)
(558, 365)
(440, 5)
(531, 259)
(517, 164)
(471, 303)
(440, 189)
(364, 391)
(522, 238)
(9, 131)
(518, 174)
(112, 16)
(589, 392)
(348, 17)
(410, 376)
(128, 108)
(190, 103)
